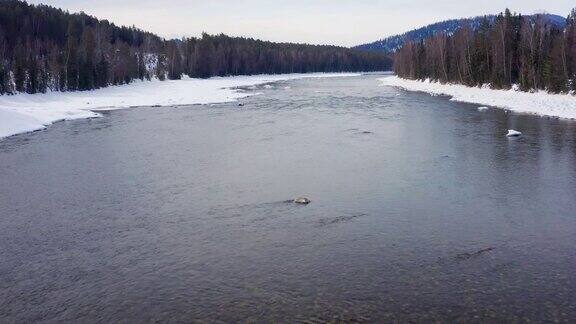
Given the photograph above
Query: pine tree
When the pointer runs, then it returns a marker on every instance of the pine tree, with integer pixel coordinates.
(174, 61)
(556, 77)
(4, 68)
(571, 48)
(87, 48)
(72, 64)
(43, 48)
(102, 72)
(32, 74)
(19, 68)
(512, 49)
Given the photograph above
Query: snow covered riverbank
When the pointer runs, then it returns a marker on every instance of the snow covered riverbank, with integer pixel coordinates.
(540, 103)
(25, 113)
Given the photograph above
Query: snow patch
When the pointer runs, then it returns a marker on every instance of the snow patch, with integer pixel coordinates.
(513, 133)
(13, 123)
(539, 103)
(23, 113)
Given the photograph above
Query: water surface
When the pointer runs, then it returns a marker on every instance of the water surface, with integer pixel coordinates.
(422, 211)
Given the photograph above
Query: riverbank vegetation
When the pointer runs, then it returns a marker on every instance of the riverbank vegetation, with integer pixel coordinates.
(511, 50)
(47, 49)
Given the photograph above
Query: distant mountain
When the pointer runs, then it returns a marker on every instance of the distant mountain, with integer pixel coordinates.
(393, 43)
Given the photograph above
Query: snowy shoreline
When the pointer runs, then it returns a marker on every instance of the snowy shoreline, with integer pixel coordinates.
(25, 113)
(539, 103)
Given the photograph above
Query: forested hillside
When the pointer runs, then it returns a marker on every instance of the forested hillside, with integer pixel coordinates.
(449, 27)
(44, 48)
(510, 49)
(222, 55)
(393, 43)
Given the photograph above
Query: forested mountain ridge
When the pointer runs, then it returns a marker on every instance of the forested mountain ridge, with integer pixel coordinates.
(393, 43)
(47, 49)
(528, 51)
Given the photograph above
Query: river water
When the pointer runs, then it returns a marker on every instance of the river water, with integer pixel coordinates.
(422, 210)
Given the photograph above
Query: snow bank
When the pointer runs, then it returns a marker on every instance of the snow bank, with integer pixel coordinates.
(540, 103)
(24, 112)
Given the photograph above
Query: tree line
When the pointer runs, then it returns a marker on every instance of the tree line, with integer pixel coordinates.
(47, 49)
(509, 50)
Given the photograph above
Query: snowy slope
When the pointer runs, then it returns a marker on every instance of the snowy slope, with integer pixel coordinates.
(24, 112)
(539, 103)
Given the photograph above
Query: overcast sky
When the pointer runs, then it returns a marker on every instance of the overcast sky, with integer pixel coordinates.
(339, 22)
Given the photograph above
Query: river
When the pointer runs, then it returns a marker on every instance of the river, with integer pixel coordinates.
(422, 210)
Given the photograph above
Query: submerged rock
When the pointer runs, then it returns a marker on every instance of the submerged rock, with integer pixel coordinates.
(513, 133)
(466, 256)
(302, 201)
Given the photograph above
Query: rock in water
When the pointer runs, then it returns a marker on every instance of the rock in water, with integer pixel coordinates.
(302, 201)
(482, 108)
(513, 133)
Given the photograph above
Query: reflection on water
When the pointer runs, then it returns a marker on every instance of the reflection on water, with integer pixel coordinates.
(422, 210)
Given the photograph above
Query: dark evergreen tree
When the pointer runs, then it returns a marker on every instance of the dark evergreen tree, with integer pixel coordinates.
(19, 68)
(512, 49)
(43, 48)
(102, 72)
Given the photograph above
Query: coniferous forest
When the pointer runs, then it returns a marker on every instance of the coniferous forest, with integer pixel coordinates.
(509, 50)
(47, 49)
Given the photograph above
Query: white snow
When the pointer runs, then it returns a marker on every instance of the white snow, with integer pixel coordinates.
(513, 133)
(482, 108)
(540, 103)
(23, 113)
